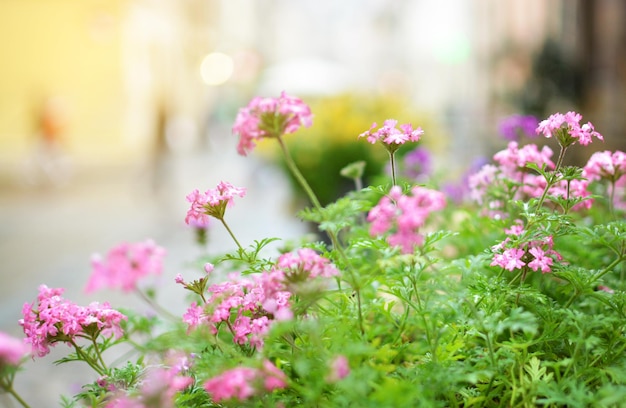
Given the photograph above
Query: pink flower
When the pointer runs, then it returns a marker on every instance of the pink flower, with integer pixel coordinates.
(160, 385)
(12, 350)
(307, 264)
(541, 261)
(391, 136)
(194, 316)
(157, 388)
(236, 383)
(56, 319)
(407, 213)
(605, 165)
(339, 369)
(125, 265)
(270, 118)
(567, 129)
(510, 259)
(515, 159)
(250, 306)
(274, 377)
(211, 203)
(241, 383)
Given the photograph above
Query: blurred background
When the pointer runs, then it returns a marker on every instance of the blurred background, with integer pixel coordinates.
(111, 111)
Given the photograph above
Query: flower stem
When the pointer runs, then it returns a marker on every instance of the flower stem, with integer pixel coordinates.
(608, 268)
(551, 182)
(231, 233)
(393, 167)
(87, 359)
(298, 175)
(17, 397)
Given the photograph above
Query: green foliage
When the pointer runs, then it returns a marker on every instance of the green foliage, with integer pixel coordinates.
(442, 326)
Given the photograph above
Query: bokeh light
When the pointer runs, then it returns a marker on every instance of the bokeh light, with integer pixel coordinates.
(216, 68)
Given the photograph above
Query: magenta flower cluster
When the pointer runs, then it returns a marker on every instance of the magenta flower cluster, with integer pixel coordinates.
(391, 136)
(270, 118)
(54, 319)
(515, 126)
(567, 129)
(248, 306)
(211, 203)
(125, 265)
(537, 254)
(606, 165)
(404, 215)
(157, 387)
(12, 350)
(241, 383)
(512, 171)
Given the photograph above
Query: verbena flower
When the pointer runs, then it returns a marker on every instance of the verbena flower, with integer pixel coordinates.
(339, 369)
(511, 176)
(248, 306)
(417, 163)
(513, 127)
(54, 319)
(157, 386)
(125, 265)
(12, 350)
(270, 118)
(211, 203)
(404, 215)
(536, 254)
(567, 129)
(606, 165)
(391, 136)
(241, 383)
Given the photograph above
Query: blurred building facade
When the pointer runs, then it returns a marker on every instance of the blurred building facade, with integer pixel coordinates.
(133, 75)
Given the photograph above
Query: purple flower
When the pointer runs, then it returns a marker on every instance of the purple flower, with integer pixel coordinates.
(515, 126)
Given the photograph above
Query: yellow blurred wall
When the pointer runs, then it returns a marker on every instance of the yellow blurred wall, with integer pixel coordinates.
(70, 50)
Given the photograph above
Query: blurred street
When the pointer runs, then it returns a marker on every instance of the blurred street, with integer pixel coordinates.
(47, 236)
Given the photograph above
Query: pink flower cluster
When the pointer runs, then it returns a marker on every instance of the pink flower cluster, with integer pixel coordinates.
(536, 254)
(339, 369)
(55, 319)
(567, 128)
(406, 214)
(610, 166)
(242, 383)
(305, 264)
(12, 350)
(391, 136)
(606, 165)
(270, 118)
(125, 265)
(248, 307)
(158, 387)
(511, 171)
(211, 203)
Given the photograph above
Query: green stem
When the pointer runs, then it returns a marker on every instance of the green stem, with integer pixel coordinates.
(550, 183)
(231, 233)
(393, 167)
(298, 175)
(97, 351)
(571, 299)
(608, 268)
(17, 397)
(611, 198)
(87, 359)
